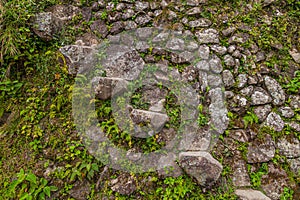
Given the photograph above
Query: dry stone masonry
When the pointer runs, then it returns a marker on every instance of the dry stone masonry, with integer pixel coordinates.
(212, 75)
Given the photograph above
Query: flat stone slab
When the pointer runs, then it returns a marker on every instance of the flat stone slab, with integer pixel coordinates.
(249, 194)
(202, 166)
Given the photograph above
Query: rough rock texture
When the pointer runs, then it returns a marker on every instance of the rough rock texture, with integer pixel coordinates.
(295, 55)
(75, 55)
(240, 177)
(228, 78)
(275, 181)
(155, 120)
(80, 190)
(289, 147)
(242, 80)
(105, 87)
(274, 121)
(203, 52)
(261, 150)
(124, 184)
(262, 112)
(275, 90)
(295, 101)
(286, 112)
(208, 36)
(295, 165)
(260, 96)
(239, 135)
(249, 194)
(202, 166)
(46, 25)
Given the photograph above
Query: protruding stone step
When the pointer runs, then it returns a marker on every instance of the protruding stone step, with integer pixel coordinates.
(202, 166)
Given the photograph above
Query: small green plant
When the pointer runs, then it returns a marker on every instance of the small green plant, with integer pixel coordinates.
(287, 194)
(202, 119)
(250, 118)
(294, 85)
(83, 169)
(28, 186)
(255, 177)
(175, 188)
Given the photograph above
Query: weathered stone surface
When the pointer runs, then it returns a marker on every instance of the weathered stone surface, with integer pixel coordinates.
(214, 80)
(274, 121)
(238, 103)
(220, 50)
(202, 166)
(262, 112)
(242, 80)
(129, 25)
(208, 36)
(260, 96)
(294, 125)
(123, 63)
(194, 11)
(99, 27)
(228, 78)
(196, 140)
(46, 25)
(275, 181)
(228, 31)
(249, 194)
(231, 48)
(252, 80)
(140, 6)
(240, 177)
(228, 94)
(261, 151)
(128, 13)
(80, 190)
(143, 19)
(239, 135)
(124, 184)
(203, 52)
(190, 73)
(105, 87)
(229, 60)
(167, 167)
(294, 101)
(215, 64)
(295, 55)
(175, 44)
(158, 107)
(286, 112)
(195, 2)
(247, 91)
(260, 56)
(275, 90)
(155, 120)
(75, 54)
(238, 38)
(295, 165)
(203, 80)
(202, 22)
(144, 33)
(289, 147)
(117, 27)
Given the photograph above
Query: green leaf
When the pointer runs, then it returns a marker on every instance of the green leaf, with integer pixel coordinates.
(31, 178)
(43, 182)
(42, 196)
(53, 188)
(47, 190)
(95, 167)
